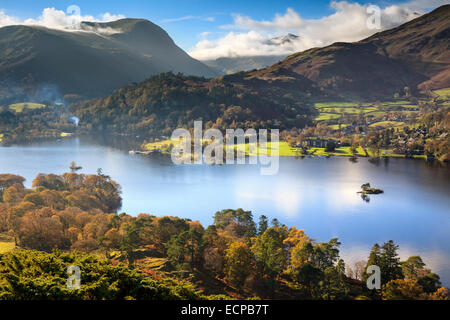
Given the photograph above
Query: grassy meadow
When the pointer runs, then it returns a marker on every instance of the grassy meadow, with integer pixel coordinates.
(6, 246)
(18, 107)
(335, 113)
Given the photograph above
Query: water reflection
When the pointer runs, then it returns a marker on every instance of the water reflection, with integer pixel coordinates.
(315, 194)
(353, 159)
(365, 197)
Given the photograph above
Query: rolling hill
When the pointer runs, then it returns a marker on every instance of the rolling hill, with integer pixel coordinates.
(415, 54)
(92, 61)
(412, 55)
(107, 56)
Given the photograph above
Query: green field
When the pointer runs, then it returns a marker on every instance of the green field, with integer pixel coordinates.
(160, 145)
(331, 112)
(6, 246)
(327, 116)
(388, 124)
(443, 93)
(284, 150)
(18, 107)
(376, 113)
(337, 105)
(395, 103)
(336, 126)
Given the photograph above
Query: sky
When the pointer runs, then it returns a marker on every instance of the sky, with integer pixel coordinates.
(212, 29)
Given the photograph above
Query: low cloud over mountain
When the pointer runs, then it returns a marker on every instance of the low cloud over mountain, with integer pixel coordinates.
(58, 19)
(348, 23)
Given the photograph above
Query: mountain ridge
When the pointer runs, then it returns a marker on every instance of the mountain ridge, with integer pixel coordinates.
(379, 65)
(90, 63)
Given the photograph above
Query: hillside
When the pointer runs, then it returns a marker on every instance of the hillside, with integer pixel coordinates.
(70, 220)
(226, 65)
(164, 102)
(92, 62)
(415, 54)
(36, 62)
(372, 69)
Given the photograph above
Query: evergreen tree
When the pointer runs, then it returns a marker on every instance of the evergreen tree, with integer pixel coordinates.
(263, 224)
(374, 260)
(390, 263)
(413, 267)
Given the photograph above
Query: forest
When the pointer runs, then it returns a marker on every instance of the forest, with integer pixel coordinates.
(73, 219)
(406, 126)
(168, 101)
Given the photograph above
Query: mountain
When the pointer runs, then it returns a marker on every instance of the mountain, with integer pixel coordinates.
(92, 61)
(229, 65)
(288, 39)
(415, 54)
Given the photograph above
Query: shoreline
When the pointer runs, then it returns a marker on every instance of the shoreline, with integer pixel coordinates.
(285, 150)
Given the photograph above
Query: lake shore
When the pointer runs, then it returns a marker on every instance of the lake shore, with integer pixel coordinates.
(284, 150)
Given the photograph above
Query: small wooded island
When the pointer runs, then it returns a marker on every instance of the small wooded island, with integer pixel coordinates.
(366, 189)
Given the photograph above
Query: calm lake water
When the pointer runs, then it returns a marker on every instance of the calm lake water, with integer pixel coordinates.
(315, 194)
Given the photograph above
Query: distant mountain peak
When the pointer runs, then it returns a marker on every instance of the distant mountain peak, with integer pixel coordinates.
(415, 54)
(282, 40)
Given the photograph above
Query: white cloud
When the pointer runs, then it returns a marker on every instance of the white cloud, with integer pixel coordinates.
(348, 23)
(205, 34)
(6, 20)
(184, 18)
(251, 43)
(58, 19)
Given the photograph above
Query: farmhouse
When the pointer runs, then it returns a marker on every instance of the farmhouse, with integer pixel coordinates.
(317, 143)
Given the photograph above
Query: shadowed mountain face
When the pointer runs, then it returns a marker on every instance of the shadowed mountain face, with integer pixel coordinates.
(415, 54)
(227, 65)
(91, 63)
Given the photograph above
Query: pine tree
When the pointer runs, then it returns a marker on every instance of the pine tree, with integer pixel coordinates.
(390, 263)
(263, 224)
(374, 260)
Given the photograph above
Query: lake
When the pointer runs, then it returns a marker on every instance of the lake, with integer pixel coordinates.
(315, 194)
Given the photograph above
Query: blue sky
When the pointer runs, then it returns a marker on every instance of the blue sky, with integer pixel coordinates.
(190, 22)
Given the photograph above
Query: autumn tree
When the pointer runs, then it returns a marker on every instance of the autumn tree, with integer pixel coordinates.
(238, 264)
(238, 223)
(8, 180)
(413, 268)
(402, 289)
